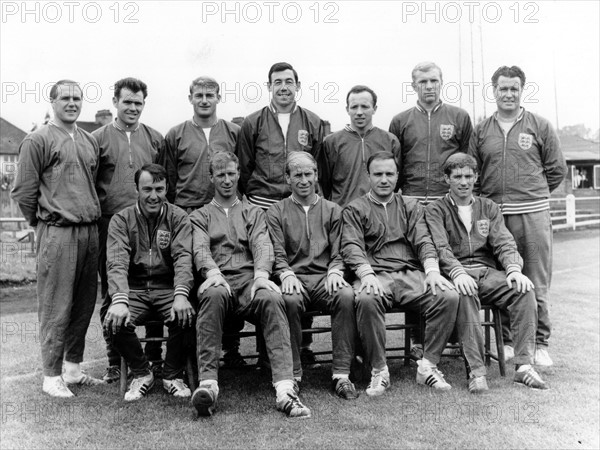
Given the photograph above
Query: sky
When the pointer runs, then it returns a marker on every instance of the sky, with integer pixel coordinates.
(332, 45)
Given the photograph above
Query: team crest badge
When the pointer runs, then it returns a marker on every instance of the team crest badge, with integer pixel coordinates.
(525, 141)
(483, 227)
(163, 238)
(303, 137)
(446, 131)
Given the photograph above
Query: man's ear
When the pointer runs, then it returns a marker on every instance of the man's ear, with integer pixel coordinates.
(447, 179)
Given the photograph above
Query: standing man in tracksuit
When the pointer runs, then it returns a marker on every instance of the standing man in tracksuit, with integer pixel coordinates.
(344, 175)
(521, 163)
(470, 237)
(306, 230)
(267, 137)
(428, 133)
(149, 264)
(186, 156)
(55, 192)
(125, 146)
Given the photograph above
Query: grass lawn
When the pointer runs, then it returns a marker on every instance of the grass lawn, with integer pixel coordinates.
(408, 416)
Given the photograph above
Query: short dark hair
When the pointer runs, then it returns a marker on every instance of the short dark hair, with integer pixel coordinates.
(205, 82)
(458, 161)
(379, 156)
(362, 88)
(221, 159)
(54, 88)
(133, 84)
(157, 171)
(280, 67)
(509, 72)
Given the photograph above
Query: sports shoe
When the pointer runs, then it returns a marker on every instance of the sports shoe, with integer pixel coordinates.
(308, 359)
(432, 377)
(542, 358)
(292, 406)
(344, 388)
(379, 383)
(478, 384)
(416, 352)
(139, 387)
(531, 379)
(56, 387)
(112, 374)
(83, 380)
(177, 388)
(204, 398)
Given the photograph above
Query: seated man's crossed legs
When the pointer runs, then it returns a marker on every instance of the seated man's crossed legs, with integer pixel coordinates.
(405, 288)
(340, 304)
(265, 308)
(522, 310)
(145, 304)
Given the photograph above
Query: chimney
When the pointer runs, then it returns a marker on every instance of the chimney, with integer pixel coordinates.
(103, 117)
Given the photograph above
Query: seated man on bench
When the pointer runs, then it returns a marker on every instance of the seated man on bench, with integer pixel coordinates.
(305, 230)
(149, 264)
(233, 252)
(386, 243)
(470, 235)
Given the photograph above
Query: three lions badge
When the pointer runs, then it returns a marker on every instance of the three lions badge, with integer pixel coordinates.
(525, 141)
(483, 227)
(303, 137)
(446, 131)
(163, 238)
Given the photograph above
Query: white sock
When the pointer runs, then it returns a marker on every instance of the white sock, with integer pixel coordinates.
(524, 367)
(384, 370)
(48, 380)
(214, 385)
(340, 376)
(425, 364)
(72, 370)
(282, 388)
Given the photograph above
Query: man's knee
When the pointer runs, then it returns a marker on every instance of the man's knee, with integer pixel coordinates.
(343, 299)
(368, 303)
(213, 297)
(294, 303)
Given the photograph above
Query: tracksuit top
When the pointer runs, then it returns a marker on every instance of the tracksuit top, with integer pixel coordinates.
(389, 237)
(488, 241)
(120, 157)
(305, 243)
(186, 157)
(344, 175)
(139, 258)
(233, 243)
(520, 170)
(426, 141)
(263, 150)
(56, 177)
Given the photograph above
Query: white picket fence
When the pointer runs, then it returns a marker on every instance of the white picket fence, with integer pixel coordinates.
(574, 215)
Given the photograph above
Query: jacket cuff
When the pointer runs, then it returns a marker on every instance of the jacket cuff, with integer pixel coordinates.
(259, 273)
(431, 265)
(457, 271)
(120, 297)
(513, 268)
(335, 271)
(182, 290)
(364, 270)
(285, 274)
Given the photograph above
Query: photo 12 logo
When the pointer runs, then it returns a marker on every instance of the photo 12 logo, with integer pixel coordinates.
(270, 12)
(454, 12)
(69, 12)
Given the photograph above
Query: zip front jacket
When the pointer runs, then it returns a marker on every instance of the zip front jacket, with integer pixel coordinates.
(140, 258)
(520, 170)
(488, 241)
(343, 175)
(427, 140)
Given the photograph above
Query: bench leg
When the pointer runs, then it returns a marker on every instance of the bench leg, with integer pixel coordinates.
(499, 342)
(123, 378)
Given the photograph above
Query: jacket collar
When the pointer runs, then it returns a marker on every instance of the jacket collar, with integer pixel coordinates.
(377, 202)
(423, 110)
(295, 200)
(116, 125)
(274, 109)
